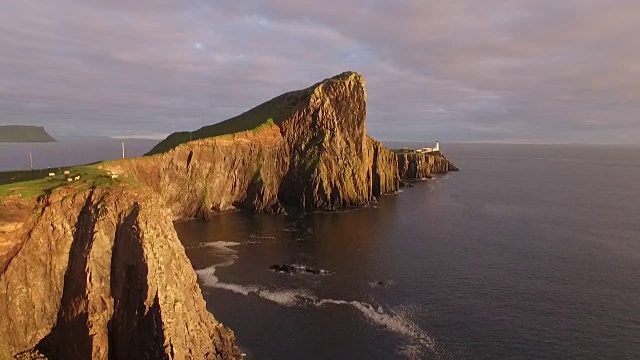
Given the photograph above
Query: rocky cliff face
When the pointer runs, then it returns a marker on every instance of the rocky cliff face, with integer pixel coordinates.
(217, 174)
(101, 274)
(383, 164)
(423, 166)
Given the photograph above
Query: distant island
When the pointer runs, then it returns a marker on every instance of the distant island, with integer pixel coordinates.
(24, 133)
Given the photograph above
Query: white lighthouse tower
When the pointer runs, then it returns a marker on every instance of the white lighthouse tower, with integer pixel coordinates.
(437, 148)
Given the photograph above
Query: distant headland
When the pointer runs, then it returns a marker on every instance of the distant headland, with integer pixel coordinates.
(24, 133)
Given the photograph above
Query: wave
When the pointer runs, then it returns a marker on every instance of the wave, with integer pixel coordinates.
(397, 321)
(254, 236)
(222, 247)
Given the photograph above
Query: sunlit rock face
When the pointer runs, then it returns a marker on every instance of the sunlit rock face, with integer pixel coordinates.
(101, 274)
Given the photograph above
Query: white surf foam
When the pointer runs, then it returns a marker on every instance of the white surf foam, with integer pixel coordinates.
(395, 321)
(222, 247)
(254, 236)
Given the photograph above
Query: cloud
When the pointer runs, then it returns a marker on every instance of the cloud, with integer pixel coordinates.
(454, 70)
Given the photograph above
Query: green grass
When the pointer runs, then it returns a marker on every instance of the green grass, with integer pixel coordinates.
(404, 151)
(29, 184)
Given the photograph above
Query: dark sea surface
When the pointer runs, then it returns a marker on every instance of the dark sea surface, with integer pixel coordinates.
(15, 156)
(530, 252)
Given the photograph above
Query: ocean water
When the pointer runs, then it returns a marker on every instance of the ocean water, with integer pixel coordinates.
(530, 252)
(15, 156)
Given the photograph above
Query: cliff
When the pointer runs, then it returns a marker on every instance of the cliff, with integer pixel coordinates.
(100, 274)
(24, 133)
(309, 149)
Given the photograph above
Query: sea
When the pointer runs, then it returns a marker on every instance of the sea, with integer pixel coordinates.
(529, 252)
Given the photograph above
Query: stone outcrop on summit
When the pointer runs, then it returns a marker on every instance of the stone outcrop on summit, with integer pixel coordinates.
(94, 269)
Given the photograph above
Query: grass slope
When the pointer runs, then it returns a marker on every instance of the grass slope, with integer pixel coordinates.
(274, 111)
(29, 184)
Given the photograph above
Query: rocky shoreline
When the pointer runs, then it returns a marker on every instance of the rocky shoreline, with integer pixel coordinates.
(100, 273)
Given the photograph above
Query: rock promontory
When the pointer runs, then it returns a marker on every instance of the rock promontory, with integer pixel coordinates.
(90, 263)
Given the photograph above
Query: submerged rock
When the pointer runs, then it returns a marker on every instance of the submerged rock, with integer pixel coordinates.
(298, 269)
(406, 184)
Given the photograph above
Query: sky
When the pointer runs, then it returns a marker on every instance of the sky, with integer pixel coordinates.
(523, 71)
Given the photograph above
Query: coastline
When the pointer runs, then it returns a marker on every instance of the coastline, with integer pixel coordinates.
(132, 203)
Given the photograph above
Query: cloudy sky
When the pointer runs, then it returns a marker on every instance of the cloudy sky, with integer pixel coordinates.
(456, 70)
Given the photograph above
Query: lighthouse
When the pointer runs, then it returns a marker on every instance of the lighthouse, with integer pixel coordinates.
(437, 148)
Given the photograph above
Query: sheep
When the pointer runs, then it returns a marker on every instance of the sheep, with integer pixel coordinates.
(69, 179)
(76, 178)
(66, 172)
(52, 174)
(114, 176)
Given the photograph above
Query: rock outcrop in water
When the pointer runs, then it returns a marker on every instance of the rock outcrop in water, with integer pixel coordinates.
(298, 269)
(416, 166)
(100, 273)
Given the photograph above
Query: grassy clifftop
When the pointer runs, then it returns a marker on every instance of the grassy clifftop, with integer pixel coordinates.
(24, 133)
(272, 112)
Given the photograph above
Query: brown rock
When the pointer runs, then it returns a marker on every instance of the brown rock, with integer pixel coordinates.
(102, 274)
